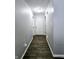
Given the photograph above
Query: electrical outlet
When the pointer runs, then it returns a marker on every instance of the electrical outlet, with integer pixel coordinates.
(25, 44)
(16, 57)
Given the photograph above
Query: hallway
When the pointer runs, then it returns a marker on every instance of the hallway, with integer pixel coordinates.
(34, 19)
(38, 49)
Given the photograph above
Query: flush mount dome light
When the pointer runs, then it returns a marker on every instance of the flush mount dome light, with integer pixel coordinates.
(38, 10)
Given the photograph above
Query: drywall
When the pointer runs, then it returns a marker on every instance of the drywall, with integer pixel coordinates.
(23, 28)
(59, 27)
(56, 28)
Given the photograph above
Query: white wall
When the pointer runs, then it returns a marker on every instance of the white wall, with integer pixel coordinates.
(23, 28)
(59, 27)
(56, 28)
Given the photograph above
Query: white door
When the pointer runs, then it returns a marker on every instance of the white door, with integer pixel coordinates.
(40, 25)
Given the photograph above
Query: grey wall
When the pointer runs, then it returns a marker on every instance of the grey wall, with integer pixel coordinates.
(55, 28)
(23, 28)
(55, 25)
(58, 27)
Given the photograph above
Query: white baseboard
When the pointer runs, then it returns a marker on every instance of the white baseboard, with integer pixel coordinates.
(49, 45)
(26, 48)
(58, 55)
(54, 55)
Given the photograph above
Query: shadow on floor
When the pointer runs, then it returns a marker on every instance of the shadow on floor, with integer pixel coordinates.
(58, 58)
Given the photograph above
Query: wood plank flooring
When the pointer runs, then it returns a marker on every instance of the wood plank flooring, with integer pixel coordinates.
(38, 49)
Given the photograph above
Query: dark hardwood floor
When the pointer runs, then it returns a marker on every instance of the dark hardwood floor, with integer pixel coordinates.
(38, 49)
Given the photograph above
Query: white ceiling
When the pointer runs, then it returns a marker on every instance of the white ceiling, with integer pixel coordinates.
(38, 3)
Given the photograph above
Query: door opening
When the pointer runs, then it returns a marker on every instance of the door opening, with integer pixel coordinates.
(39, 27)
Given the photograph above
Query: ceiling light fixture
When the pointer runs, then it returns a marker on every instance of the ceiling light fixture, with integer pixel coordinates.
(38, 10)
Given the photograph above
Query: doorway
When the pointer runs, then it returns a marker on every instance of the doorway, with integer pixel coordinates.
(39, 24)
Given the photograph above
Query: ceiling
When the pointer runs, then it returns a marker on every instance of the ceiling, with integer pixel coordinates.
(38, 3)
